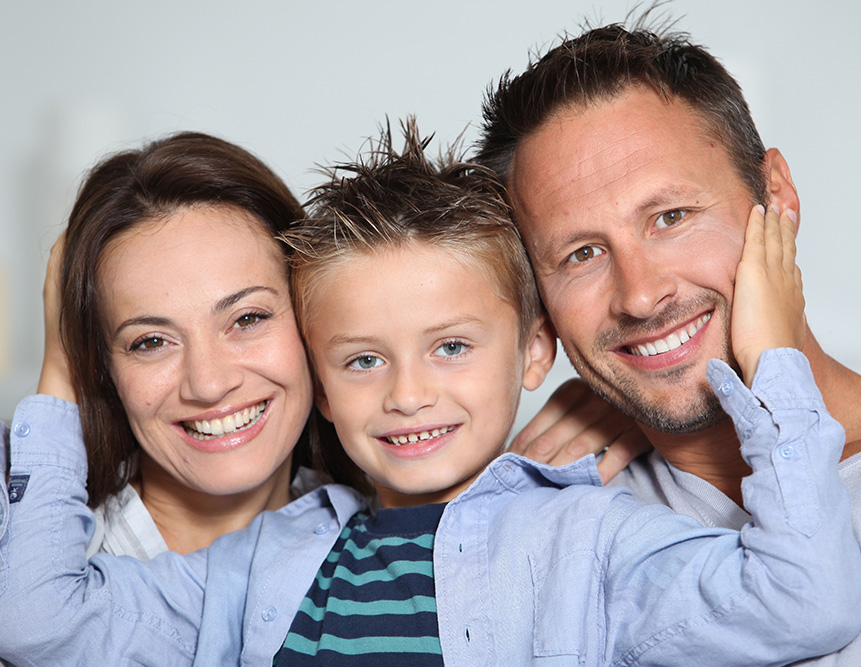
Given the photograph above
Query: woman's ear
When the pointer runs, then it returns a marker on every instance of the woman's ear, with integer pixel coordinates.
(781, 188)
(540, 354)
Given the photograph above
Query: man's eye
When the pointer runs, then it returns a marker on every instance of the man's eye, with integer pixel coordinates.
(670, 218)
(365, 362)
(585, 253)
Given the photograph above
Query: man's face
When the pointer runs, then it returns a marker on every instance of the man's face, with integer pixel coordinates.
(634, 219)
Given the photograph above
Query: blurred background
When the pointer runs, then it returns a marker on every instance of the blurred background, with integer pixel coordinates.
(305, 83)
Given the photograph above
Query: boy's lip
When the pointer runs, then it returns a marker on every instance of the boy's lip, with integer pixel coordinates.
(416, 434)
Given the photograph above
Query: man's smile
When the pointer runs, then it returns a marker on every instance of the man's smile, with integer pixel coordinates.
(669, 342)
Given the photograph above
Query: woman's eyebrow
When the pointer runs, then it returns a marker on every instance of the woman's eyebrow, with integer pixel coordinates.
(232, 299)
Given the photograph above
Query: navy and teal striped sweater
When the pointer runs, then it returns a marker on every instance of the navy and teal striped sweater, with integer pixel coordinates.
(373, 601)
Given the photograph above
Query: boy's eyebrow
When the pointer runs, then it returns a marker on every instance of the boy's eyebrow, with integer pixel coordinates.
(457, 321)
(343, 339)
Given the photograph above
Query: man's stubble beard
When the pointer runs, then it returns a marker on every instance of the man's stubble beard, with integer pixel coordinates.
(624, 391)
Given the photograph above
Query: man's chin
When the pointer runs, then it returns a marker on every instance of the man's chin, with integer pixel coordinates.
(708, 415)
(699, 415)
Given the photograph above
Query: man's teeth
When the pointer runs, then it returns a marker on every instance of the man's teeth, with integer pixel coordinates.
(207, 429)
(672, 341)
(410, 438)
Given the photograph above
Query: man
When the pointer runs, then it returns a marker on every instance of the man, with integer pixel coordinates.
(632, 164)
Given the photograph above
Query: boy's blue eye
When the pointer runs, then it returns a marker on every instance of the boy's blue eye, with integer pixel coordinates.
(366, 362)
(451, 348)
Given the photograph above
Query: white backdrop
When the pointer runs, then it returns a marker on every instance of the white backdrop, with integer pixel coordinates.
(305, 83)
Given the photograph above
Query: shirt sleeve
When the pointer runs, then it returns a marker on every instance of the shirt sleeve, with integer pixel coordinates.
(786, 586)
(55, 606)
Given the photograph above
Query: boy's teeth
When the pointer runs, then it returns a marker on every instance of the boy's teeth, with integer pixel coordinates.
(410, 438)
(670, 342)
(207, 429)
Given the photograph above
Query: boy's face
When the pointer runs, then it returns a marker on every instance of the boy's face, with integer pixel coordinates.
(421, 369)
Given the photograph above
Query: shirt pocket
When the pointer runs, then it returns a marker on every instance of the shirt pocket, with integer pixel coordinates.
(567, 600)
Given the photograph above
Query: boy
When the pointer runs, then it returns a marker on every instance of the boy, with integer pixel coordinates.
(422, 335)
(423, 322)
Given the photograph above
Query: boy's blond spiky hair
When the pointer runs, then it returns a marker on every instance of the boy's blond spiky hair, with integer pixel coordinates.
(389, 199)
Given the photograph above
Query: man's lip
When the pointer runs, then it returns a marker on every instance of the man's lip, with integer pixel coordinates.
(672, 338)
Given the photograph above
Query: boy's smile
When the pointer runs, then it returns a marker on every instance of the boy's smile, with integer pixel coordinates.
(421, 368)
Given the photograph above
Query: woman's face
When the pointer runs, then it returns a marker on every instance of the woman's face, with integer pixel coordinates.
(204, 349)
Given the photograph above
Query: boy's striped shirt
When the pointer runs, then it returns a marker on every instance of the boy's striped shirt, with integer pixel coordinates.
(373, 601)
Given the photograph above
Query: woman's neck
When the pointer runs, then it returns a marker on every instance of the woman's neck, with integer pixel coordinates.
(189, 519)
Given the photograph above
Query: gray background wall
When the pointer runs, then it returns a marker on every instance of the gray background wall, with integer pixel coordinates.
(305, 83)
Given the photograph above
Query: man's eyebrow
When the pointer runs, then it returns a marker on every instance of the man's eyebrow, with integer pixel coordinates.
(673, 195)
(232, 299)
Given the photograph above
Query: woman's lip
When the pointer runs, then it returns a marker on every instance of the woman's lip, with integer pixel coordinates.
(228, 441)
(221, 413)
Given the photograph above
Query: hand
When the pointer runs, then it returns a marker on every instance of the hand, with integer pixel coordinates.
(576, 422)
(54, 379)
(768, 303)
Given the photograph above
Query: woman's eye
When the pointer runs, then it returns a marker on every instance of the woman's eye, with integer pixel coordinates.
(365, 362)
(250, 319)
(148, 343)
(670, 218)
(451, 349)
(585, 253)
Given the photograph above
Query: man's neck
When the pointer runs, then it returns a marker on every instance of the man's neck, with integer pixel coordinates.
(713, 454)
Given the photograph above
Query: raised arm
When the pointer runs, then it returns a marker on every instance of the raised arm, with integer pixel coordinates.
(786, 587)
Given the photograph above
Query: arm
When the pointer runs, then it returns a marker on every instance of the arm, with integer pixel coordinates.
(55, 607)
(786, 587)
(576, 422)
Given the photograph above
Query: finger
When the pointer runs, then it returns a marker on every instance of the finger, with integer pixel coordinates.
(608, 426)
(773, 237)
(624, 450)
(552, 445)
(789, 228)
(567, 398)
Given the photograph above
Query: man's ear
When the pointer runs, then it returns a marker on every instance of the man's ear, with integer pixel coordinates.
(540, 354)
(781, 189)
(321, 400)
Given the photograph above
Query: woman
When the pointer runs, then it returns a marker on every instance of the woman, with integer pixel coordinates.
(183, 353)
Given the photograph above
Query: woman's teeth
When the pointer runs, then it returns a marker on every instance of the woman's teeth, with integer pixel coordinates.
(207, 429)
(410, 438)
(670, 342)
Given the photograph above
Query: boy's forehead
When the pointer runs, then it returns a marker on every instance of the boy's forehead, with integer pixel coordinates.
(405, 284)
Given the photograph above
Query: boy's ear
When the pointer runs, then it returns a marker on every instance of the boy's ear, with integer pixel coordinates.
(781, 188)
(540, 354)
(321, 400)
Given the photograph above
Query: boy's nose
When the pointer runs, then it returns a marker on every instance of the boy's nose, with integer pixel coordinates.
(410, 391)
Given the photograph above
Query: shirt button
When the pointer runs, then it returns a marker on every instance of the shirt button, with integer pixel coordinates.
(321, 529)
(22, 429)
(787, 451)
(269, 614)
(726, 388)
